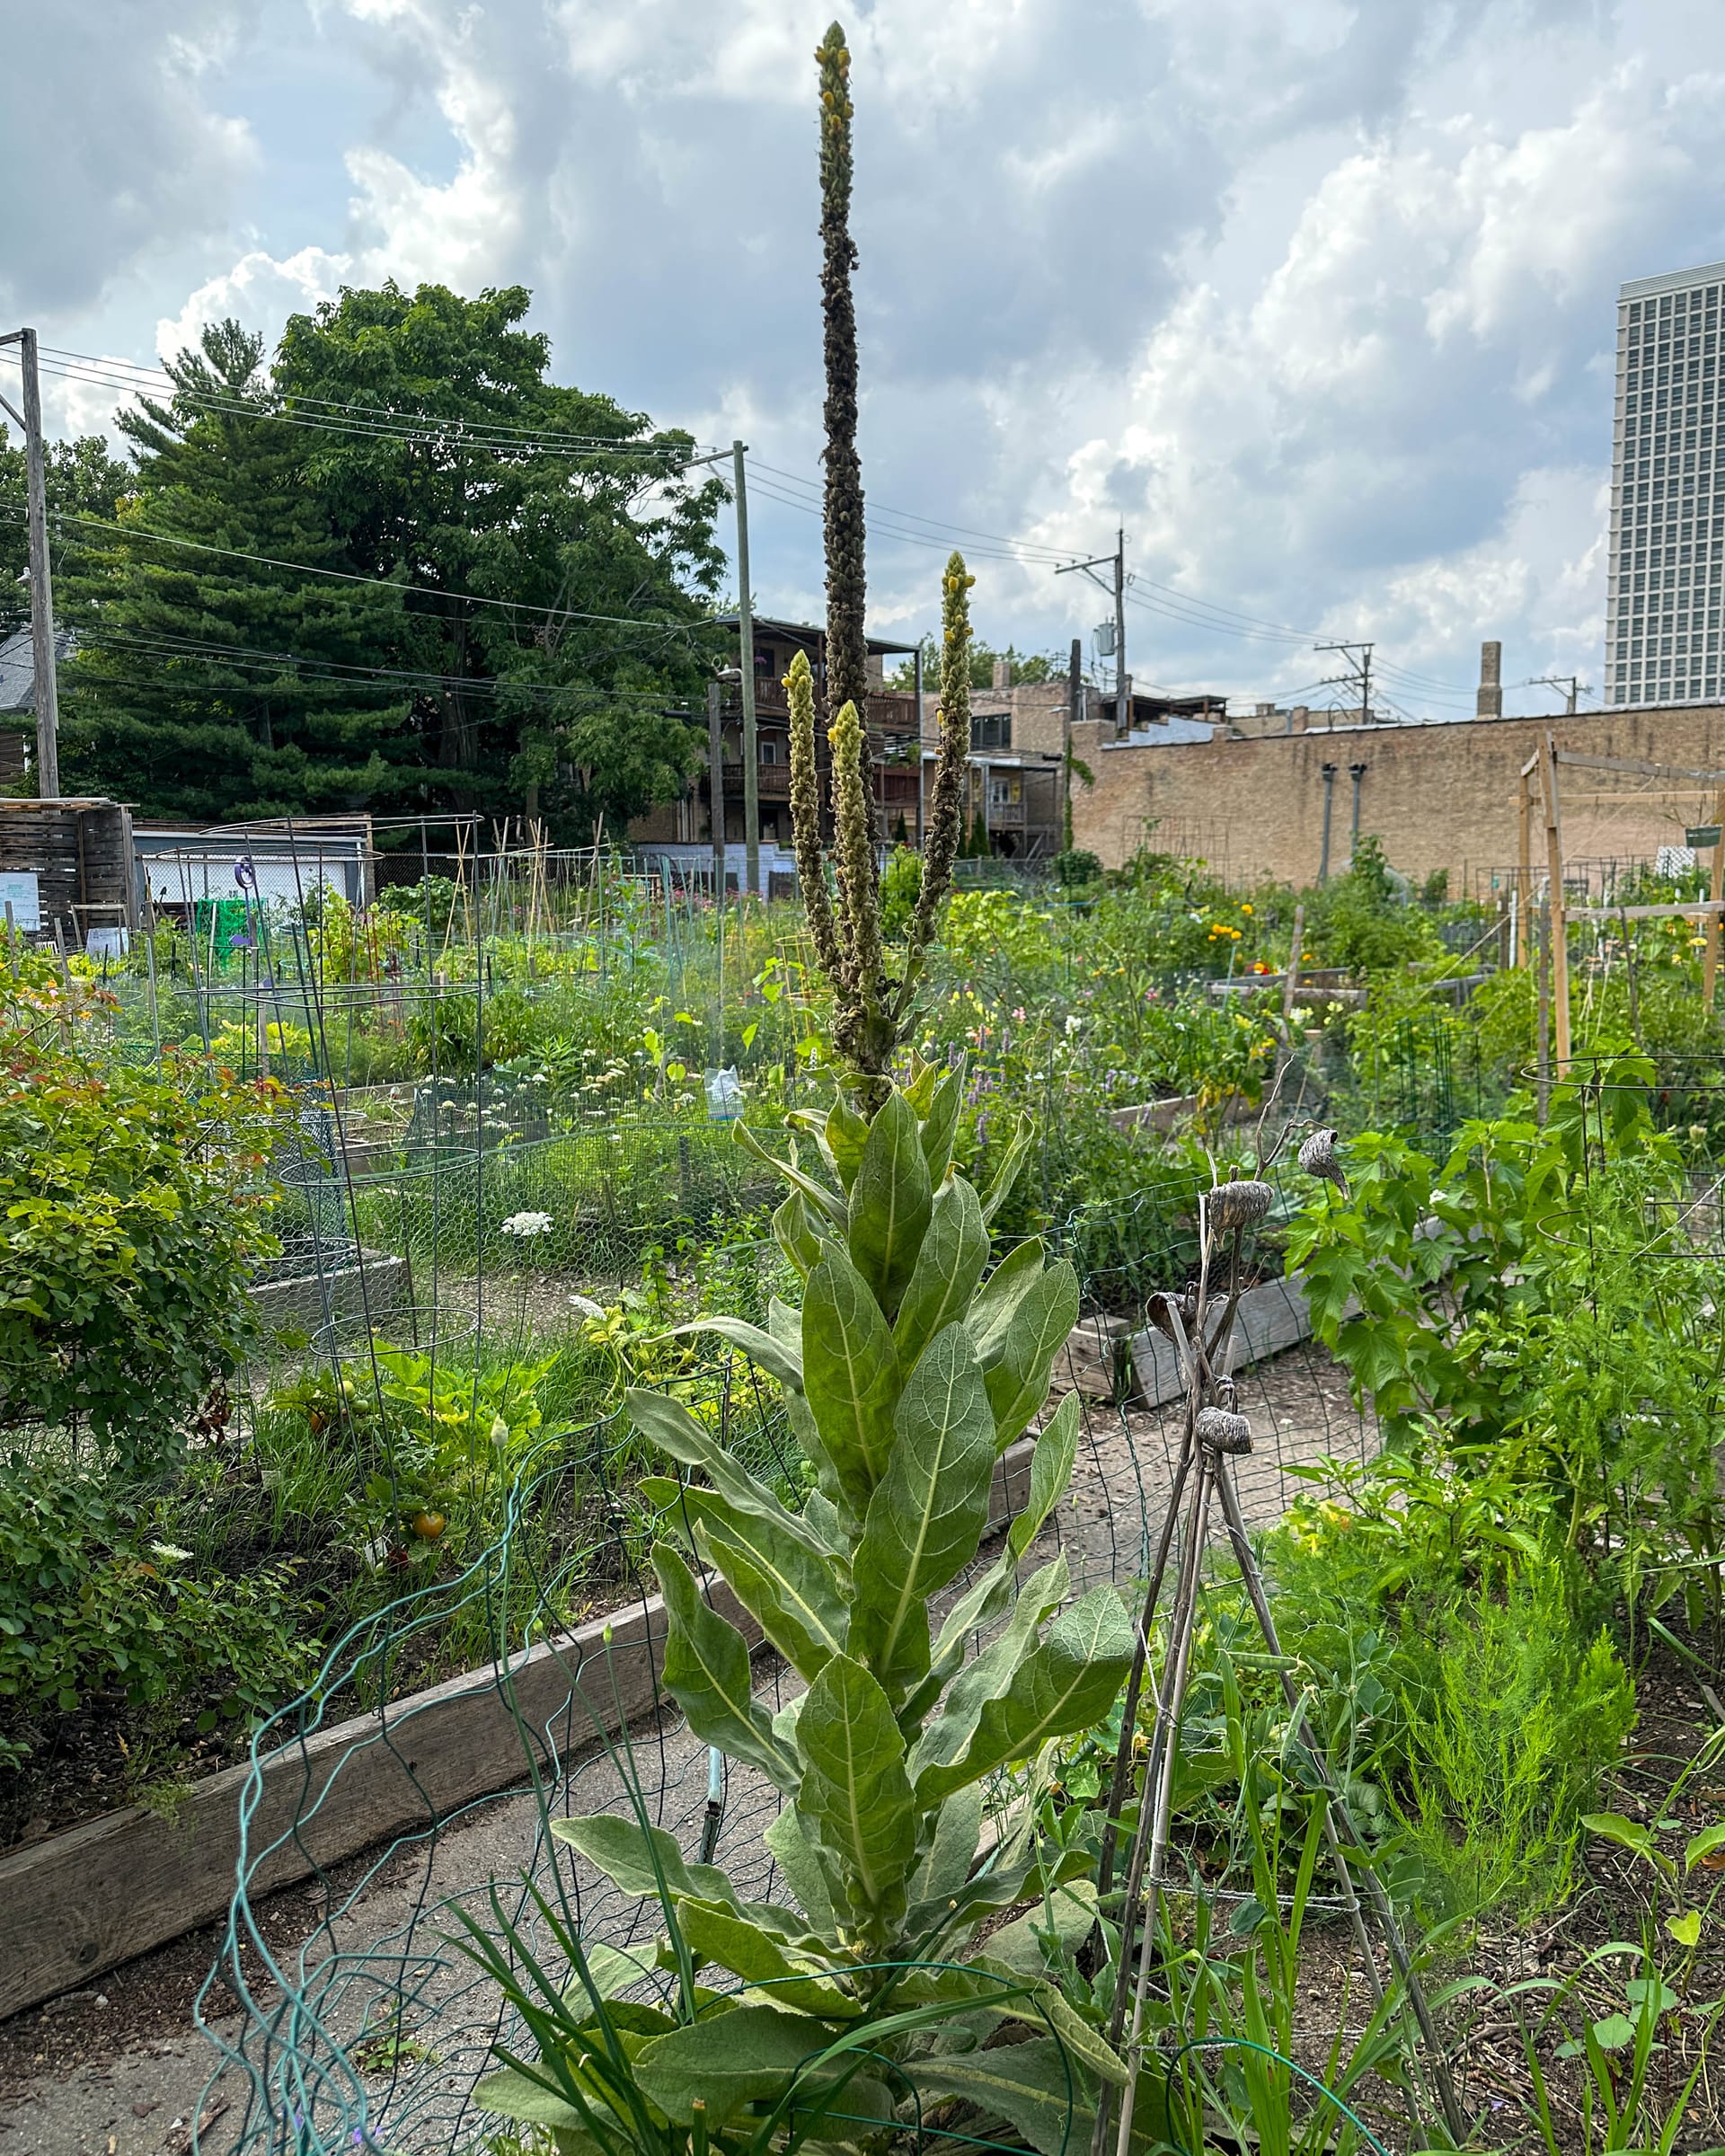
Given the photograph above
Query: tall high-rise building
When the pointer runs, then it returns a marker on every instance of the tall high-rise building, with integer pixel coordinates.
(1667, 525)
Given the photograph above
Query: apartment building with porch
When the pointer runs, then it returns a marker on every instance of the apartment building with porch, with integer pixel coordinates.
(1018, 736)
(684, 830)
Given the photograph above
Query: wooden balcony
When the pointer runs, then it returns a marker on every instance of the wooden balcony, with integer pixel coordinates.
(889, 715)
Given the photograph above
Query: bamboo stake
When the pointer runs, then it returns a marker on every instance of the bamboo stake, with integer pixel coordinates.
(1715, 891)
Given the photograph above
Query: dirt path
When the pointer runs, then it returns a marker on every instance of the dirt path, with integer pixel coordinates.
(119, 2071)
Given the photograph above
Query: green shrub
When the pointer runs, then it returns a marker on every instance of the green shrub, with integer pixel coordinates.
(94, 1600)
(1363, 921)
(900, 881)
(131, 1217)
(1513, 1714)
(1074, 867)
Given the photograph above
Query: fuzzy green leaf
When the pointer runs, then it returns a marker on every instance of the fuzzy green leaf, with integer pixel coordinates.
(511, 2095)
(890, 1202)
(847, 1133)
(1000, 1294)
(707, 1673)
(791, 1592)
(1079, 2040)
(958, 1829)
(1041, 2092)
(788, 1843)
(1068, 1683)
(784, 1322)
(718, 1934)
(644, 1862)
(928, 1511)
(824, 1201)
(950, 1262)
(989, 1673)
(1001, 1188)
(795, 1237)
(1000, 1887)
(771, 1354)
(1051, 1464)
(855, 1787)
(851, 1375)
(667, 1424)
(1069, 1914)
(1039, 1326)
(940, 1125)
(735, 2059)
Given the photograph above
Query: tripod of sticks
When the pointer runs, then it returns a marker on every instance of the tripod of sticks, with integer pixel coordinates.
(1216, 1435)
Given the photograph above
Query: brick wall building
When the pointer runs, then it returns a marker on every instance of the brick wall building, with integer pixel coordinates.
(1440, 797)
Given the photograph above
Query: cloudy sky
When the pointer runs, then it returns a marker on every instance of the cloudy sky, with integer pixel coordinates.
(1315, 299)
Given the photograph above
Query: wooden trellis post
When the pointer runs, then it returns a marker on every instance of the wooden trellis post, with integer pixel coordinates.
(1560, 925)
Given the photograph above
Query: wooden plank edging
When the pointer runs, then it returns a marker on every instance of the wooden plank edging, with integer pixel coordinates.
(81, 1902)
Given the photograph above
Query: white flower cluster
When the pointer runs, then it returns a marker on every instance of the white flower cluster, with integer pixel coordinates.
(526, 1224)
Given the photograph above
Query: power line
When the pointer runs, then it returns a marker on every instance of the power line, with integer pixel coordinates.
(885, 521)
(160, 644)
(356, 418)
(347, 576)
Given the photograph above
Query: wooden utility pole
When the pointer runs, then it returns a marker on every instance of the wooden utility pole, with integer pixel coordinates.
(746, 659)
(1525, 862)
(1715, 891)
(1122, 679)
(1074, 711)
(716, 789)
(1560, 926)
(46, 689)
(922, 768)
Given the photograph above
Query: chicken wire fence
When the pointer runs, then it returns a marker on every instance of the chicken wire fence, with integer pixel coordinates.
(344, 2011)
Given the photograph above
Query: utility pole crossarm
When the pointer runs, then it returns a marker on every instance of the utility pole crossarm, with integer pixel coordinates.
(1123, 680)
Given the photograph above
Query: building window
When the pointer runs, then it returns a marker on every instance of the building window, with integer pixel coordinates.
(769, 747)
(991, 730)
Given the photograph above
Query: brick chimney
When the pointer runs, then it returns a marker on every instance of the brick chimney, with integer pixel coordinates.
(1488, 702)
(1002, 677)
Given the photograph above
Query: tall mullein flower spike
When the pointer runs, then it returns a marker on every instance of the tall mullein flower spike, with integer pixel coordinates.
(860, 929)
(946, 805)
(847, 651)
(805, 817)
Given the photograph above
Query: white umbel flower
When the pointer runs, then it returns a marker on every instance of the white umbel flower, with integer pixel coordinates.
(526, 1224)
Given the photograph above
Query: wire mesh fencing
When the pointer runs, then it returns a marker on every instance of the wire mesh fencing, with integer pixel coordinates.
(345, 2009)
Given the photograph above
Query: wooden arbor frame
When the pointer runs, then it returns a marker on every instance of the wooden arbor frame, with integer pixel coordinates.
(1537, 788)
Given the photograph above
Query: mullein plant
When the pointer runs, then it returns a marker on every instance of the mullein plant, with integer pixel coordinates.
(857, 2000)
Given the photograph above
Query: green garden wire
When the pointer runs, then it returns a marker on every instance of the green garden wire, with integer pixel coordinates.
(1281, 2059)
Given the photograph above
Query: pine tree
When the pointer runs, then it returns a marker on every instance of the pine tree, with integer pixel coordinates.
(212, 681)
(563, 561)
(84, 483)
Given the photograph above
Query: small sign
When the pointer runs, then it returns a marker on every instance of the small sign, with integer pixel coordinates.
(21, 891)
(1702, 834)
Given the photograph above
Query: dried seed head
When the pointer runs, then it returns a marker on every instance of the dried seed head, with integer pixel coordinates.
(1317, 1156)
(1162, 1308)
(1238, 1206)
(1222, 1432)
